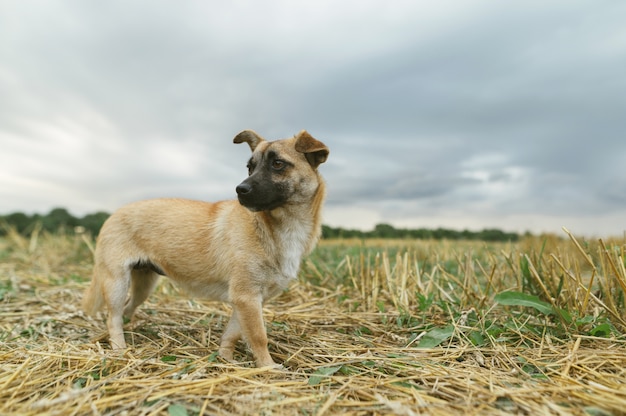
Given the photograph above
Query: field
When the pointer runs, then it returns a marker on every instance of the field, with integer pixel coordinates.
(372, 327)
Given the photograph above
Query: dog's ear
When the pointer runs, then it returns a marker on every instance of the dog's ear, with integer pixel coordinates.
(249, 137)
(315, 151)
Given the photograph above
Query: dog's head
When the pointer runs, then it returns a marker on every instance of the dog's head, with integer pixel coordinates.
(280, 172)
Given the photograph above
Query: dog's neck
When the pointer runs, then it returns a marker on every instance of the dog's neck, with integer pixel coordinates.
(299, 230)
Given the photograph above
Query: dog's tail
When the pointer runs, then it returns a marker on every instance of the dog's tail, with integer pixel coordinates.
(93, 299)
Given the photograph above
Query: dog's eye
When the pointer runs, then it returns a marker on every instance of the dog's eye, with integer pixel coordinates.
(250, 168)
(278, 164)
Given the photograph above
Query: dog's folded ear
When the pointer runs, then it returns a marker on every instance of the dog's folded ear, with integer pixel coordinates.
(249, 137)
(315, 151)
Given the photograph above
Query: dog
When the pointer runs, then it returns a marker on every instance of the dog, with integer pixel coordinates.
(241, 251)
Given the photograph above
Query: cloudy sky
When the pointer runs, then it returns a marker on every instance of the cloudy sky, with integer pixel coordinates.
(461, 114)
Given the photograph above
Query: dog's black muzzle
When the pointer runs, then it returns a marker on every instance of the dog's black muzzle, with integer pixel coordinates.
(259, 195)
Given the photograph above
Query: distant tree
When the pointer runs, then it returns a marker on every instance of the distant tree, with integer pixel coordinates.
(57, 219)
(330, 232)
(444, 234)
(422, 234)
(19, 220)
(492, 234)
(468, 235)
(384, 231)
(338, 232)
(93, 222)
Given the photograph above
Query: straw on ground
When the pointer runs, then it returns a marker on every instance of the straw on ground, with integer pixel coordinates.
(372, 327)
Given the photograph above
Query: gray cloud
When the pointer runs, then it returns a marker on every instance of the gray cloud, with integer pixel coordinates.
(475, 113)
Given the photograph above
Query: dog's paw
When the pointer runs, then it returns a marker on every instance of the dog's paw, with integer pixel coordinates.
(272, 366)
(226, 354)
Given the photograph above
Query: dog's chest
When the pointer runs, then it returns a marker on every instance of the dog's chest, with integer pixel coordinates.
(290, 251)
(290, 264)
(286, 270)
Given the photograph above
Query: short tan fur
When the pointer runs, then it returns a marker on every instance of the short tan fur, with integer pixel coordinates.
(242, 252)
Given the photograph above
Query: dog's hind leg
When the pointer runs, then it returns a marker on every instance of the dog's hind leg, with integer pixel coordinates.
(115, 289)
(142, 284)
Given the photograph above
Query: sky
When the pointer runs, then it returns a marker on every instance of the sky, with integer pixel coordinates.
(459, 114)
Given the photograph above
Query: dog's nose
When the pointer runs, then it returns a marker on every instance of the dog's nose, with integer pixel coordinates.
(243, 188)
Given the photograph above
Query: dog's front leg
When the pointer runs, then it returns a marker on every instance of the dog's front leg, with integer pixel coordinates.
(247, 320)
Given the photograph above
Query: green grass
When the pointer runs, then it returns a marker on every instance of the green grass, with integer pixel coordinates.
(554, 288)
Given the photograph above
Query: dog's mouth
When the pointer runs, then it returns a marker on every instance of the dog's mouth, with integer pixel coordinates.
(256, 206)
(257, 199)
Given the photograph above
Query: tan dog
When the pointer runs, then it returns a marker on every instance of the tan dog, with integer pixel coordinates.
(242, 252)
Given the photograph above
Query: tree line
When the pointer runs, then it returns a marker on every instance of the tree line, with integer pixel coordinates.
(60, 220)
(389, 231)
(57, 220)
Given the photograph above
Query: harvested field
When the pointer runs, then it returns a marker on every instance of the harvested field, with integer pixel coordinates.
(371, 328)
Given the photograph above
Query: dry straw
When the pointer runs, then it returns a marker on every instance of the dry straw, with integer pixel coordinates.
(356, 335)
